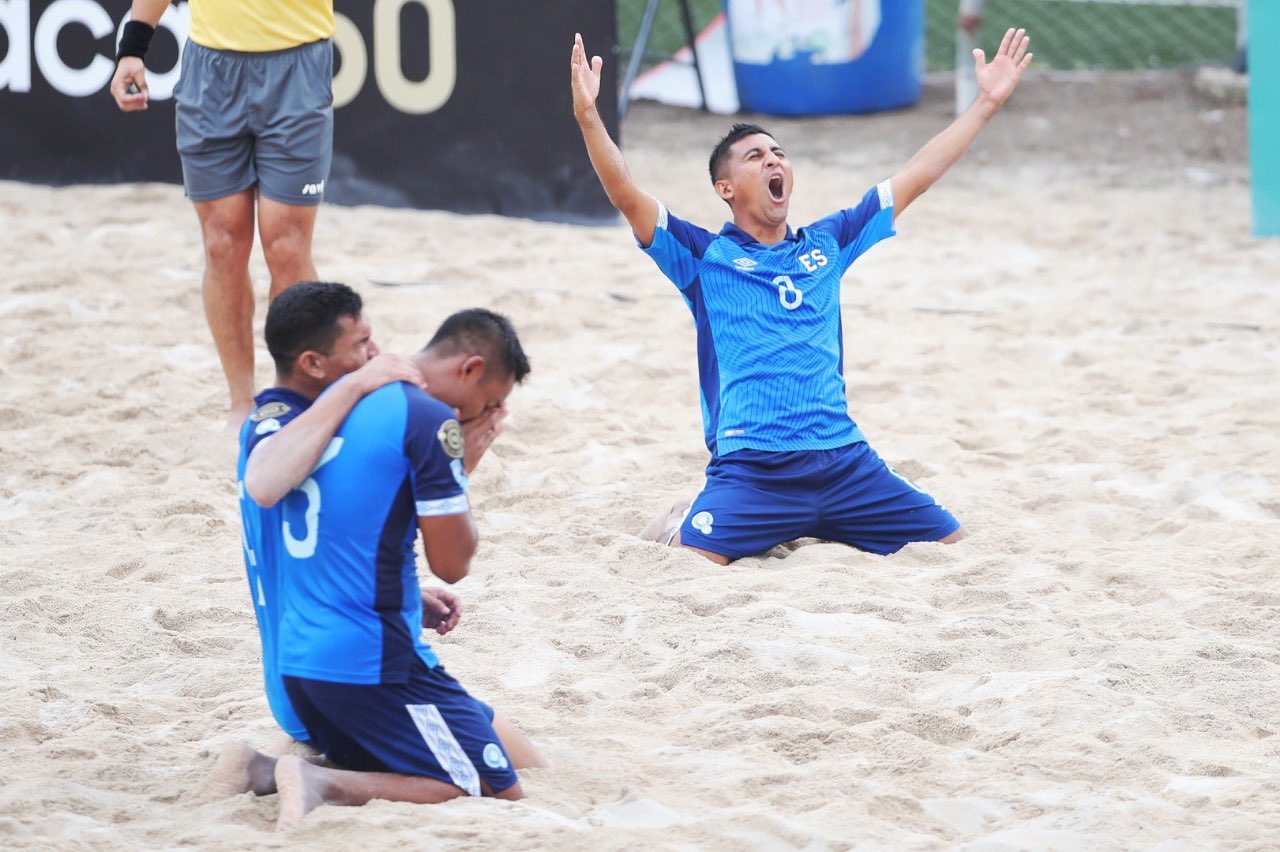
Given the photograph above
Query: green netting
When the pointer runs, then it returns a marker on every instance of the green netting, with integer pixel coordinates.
(1066, 34)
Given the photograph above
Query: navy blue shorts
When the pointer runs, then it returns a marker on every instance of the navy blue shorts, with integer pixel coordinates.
(429, 726)
(755, 500)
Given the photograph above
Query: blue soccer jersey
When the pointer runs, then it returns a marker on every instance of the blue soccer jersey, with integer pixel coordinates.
(264, 549)
(353, 606)
(770, 341)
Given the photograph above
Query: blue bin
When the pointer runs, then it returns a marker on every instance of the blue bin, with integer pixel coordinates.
(815, 57)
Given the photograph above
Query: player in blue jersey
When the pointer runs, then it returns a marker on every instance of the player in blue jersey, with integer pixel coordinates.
(371, 694)
(787, 460)
(317, 334)
(367, 691)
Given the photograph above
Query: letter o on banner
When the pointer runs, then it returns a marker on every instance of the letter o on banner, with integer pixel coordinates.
(74, 82)
(349, 80)
(433, 92)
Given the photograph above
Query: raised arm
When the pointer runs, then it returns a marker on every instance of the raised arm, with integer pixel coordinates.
(996, 82)
(280, 462)
(130, 72)
(639, 207)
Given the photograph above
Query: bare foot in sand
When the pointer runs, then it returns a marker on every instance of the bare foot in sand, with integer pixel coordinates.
(662, 529)
(241, 769)
(300, 792)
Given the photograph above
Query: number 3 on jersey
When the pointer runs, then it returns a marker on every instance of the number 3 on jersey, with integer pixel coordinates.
(302, 548)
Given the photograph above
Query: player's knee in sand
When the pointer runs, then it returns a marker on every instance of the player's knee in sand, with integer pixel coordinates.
(304, 786)
(304, 782)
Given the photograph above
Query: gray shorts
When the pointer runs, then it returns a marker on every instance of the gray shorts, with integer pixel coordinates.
(256, 118)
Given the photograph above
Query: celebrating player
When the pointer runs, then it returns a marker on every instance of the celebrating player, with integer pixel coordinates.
(786, 458)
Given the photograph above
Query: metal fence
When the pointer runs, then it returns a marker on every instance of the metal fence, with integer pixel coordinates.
(1066, 34)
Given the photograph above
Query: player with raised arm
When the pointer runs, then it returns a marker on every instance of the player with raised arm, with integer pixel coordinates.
(787, 460)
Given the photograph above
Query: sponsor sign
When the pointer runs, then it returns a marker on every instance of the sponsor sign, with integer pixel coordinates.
(452, 104)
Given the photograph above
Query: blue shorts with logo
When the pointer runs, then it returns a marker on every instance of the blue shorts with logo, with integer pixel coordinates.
(428, 726)
(755, 500)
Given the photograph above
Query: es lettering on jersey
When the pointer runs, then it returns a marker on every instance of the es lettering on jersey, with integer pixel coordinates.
(770, 341)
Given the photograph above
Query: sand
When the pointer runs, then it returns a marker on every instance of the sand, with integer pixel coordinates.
(1072, 343)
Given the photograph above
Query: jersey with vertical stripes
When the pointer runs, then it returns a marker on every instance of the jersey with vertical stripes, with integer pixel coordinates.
(257, 26)
(353, 606)
(770, 341)
(264, 548)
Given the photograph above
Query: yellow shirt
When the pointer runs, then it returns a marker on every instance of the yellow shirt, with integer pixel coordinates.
(256, 26)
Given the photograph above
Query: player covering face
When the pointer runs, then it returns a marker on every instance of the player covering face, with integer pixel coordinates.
(336, 592)
(787, 460)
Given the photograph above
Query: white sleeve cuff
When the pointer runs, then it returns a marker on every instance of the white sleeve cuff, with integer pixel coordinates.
(885, 190)
(661, 224)
(447, 506)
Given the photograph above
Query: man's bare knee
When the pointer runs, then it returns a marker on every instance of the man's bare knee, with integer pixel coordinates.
(511, 794)
(287, 252)
(718, 558)
(227, 250)
(958, 535)
(226, 225)
(286, 231)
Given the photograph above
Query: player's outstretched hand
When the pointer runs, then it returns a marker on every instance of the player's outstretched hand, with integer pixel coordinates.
(998, 78)
(384, 369)
(130, 73)
(478, 434)
(441, 610)
(584, 76)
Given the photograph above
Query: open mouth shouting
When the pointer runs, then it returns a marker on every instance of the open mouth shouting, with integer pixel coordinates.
(777, 187)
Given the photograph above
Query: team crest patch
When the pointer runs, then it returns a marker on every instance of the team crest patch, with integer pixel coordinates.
(494, 758)
(450, 436)
(271, 409)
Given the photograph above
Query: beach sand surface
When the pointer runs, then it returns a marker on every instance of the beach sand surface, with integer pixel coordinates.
(1072, 343)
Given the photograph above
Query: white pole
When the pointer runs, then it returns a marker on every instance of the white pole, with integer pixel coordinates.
(968, 23)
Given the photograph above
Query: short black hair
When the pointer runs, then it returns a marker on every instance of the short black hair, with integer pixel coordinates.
(478, 330)
(305, 318)
(721, 152)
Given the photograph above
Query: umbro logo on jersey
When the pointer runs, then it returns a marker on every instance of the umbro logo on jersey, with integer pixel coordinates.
(744, 263)
(313, 188)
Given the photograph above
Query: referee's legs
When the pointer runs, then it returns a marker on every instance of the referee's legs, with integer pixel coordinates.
(227, 226)
(286, 231)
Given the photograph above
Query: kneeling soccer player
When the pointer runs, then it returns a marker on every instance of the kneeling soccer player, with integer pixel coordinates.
(369, 693)
(787, 460)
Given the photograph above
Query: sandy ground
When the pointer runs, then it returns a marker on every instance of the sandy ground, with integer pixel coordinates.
(1072, 342)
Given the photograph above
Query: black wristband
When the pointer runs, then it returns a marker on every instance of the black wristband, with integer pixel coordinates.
(135, 40)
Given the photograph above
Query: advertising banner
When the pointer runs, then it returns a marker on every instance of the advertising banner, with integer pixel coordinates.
(446, 104)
